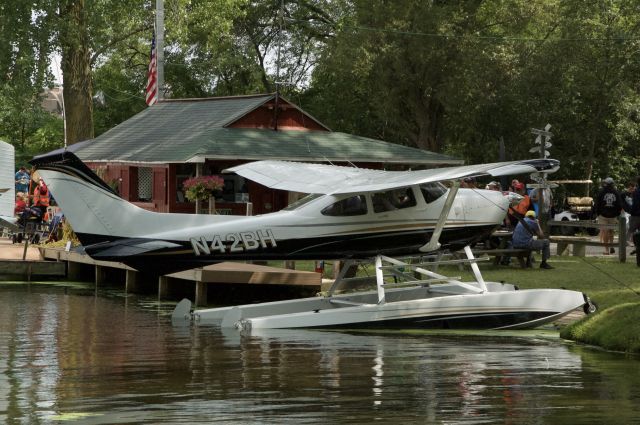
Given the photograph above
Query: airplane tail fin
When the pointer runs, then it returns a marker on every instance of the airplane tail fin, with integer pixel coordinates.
(7, 180)
(96, 213)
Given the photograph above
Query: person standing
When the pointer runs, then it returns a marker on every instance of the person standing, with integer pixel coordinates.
(22, 180)
(634, 212)
(41, 197)
(608, 208)
(523, 238)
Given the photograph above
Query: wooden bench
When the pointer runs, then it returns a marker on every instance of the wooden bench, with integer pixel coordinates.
(522, 254)
(579, 243)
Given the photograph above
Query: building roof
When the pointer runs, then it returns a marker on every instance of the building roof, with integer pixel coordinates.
(190, 131)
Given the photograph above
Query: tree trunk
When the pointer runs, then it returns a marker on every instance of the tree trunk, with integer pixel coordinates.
(76, 71)
(428, 121)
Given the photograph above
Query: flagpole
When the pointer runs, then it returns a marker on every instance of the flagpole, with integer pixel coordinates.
(160, 46)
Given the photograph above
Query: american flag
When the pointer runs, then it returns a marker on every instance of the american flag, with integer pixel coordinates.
(152, 75)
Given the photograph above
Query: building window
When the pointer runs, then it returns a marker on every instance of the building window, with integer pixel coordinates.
(183, 172)
(145, 184)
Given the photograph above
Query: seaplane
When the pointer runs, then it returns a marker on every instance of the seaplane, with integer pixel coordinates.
(400, 220)
(7, 218)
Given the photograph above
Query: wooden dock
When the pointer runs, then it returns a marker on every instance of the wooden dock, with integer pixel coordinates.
(79, 266)
(30, 269)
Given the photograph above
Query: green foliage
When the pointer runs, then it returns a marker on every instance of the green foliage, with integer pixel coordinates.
(454, 77)
(199, 188)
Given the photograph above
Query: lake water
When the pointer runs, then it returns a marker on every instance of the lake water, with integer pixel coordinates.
(68, 355)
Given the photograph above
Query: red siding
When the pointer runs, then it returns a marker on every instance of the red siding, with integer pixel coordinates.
(289, 118)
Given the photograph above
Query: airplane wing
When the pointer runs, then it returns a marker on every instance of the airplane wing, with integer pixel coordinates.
(331, 179)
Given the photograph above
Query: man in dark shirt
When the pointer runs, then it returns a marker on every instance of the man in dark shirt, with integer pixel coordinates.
(634, 211)
(608, 209)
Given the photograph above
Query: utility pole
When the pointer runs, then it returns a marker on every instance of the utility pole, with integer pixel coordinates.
(160, 46)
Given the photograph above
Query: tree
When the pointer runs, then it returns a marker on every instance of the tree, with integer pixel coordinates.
(76, 69)
(459, 77)
(24, 51)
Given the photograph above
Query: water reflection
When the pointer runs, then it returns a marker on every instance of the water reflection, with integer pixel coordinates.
(101, 360)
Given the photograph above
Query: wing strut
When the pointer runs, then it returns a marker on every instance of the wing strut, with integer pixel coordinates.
(434, 242)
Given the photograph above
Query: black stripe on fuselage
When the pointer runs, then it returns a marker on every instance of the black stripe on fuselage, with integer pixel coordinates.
(335, 247)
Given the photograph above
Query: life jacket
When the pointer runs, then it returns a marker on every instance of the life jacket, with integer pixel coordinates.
(522, 207)
(41, 196)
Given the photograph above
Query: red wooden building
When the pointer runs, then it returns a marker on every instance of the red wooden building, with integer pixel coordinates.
(147, 157)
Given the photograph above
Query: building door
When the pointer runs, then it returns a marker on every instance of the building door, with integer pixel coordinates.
(124, 185)
(160, 189)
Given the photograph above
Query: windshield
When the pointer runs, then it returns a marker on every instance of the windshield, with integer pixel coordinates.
(302, 201)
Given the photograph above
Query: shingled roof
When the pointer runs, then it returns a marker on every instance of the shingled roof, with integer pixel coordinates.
(189, 131)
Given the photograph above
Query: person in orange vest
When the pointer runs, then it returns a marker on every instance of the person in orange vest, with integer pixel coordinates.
(41, 197)
(521, 209)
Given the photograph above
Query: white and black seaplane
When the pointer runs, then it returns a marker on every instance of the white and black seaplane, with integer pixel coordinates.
(7, 218)
(350, 214)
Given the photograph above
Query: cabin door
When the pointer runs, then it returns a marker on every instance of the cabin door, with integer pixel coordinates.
(160, 189)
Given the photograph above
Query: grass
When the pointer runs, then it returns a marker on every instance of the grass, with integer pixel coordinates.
(615, 328)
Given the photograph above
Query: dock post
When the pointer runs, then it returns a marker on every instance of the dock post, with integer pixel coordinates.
(74, 270)
(163, 287)
(131, 280)
(101, 274)
(201, 293)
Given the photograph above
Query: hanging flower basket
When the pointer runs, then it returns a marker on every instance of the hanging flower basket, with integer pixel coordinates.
(199, 188)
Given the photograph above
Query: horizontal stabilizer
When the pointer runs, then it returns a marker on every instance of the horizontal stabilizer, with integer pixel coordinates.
(9, 223)
(127, 247)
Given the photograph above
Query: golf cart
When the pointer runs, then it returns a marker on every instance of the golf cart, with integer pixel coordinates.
(574, 208)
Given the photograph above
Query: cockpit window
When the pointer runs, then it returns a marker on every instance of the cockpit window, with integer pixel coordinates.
(432, 191)
(395, 199)
(354, 205)
(302, 201)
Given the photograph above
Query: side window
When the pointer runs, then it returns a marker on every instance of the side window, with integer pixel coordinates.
(396, 199)
(145, 184)
(354, 205)
(432, 191)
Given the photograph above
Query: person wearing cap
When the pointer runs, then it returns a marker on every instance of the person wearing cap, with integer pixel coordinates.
(608, 207)
(523, 235)
(519, 210)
